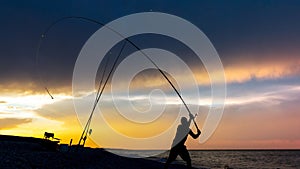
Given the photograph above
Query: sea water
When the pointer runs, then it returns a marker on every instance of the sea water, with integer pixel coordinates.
(267, 159)
(236, 159)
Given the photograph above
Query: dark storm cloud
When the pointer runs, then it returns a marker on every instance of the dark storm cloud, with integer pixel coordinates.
(23, 24)
(235, 28)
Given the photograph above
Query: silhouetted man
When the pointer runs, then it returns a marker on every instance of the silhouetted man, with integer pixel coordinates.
(178, 147)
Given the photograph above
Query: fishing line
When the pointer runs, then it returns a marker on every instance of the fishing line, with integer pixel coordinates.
(49, 93)
(37, 68)
(44, 36)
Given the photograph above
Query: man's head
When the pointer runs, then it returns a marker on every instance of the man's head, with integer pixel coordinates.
(184, 121)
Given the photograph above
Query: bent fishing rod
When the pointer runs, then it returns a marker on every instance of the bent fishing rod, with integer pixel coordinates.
(119, 34)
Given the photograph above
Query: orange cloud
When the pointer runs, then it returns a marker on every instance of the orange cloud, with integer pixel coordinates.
(8, 123)
(237, 71)
(264, 70)
(25, 87)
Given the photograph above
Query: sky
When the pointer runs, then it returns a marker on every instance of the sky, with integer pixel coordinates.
(257, 42)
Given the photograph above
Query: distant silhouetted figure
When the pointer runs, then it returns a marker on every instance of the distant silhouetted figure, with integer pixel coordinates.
(178, 147)
(71, 142)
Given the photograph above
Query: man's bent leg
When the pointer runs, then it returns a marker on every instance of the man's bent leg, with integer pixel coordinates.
(184, 154)
(172, 156)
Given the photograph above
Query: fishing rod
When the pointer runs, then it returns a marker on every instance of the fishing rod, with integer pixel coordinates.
(126, 39)
(87, 126)
(195, 122)
(100, 94)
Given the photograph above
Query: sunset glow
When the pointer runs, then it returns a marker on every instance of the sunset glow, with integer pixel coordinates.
(258, 47)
